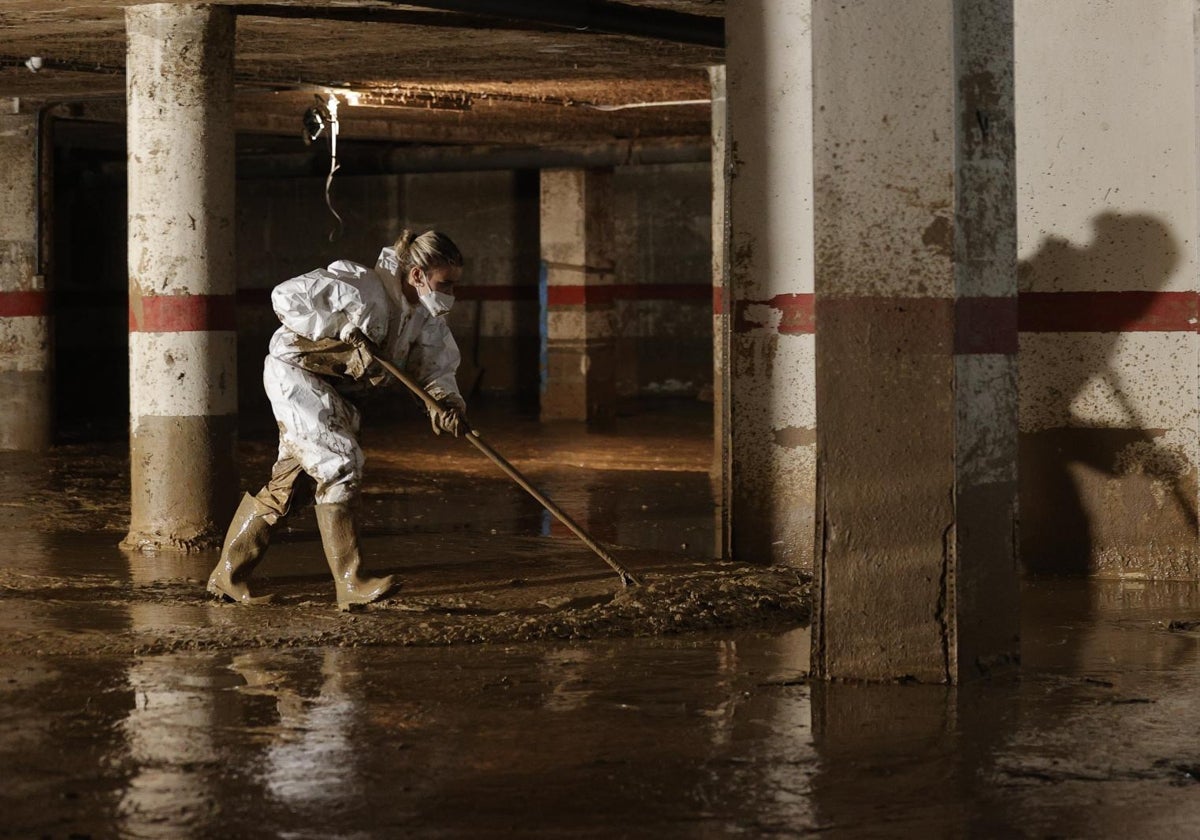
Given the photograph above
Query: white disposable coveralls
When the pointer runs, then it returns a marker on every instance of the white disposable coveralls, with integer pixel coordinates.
(311, 367)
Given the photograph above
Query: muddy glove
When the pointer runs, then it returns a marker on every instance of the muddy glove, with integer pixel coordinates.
(448, 418)
(356, 338)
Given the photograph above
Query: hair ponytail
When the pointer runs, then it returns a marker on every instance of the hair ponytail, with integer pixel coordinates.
(430, 250)
(403, 241)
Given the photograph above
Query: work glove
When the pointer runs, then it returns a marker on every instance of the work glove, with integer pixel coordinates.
(356, 338)
(448, 418)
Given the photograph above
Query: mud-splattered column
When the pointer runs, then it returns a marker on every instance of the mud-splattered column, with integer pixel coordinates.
(25, 410)
(916, 339)
(722, 468)
(182, 340)
(577, 238)
(769, 374)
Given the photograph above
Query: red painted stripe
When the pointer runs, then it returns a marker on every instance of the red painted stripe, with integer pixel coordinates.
(797, 314)
(1108, 311)
(182, 313)
(991, 325)
(580, 295)
(577, 295)
(558, 295)
(262, 297)
(21, 304)
(1036, 311)
(496, 293)
(985, 325)
(664, 291)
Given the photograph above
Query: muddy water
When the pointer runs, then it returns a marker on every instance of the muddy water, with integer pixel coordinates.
(514, 689)
(700, 736)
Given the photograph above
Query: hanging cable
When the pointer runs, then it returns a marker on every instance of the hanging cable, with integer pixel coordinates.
(331, 105)
(322, 116)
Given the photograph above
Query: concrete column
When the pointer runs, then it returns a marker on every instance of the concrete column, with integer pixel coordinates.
(722, 468)
(916, 339)
(182, 340)
(771, 428)
(577, 242)
(25, 360)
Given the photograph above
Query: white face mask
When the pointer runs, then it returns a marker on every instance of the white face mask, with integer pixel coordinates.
(438, 303)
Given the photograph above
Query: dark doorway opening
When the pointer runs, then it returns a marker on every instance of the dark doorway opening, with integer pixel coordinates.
(90, 313)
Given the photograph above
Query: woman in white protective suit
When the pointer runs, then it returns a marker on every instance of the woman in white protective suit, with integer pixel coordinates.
(334, 320)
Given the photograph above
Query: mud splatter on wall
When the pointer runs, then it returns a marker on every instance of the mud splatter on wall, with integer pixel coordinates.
(1109, 392)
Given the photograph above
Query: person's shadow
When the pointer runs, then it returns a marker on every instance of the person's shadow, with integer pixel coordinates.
(1080, 428)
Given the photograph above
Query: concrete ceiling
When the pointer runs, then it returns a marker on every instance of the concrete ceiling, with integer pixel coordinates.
(446, 71)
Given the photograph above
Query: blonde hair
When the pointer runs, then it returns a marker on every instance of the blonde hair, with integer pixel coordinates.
(432, 249)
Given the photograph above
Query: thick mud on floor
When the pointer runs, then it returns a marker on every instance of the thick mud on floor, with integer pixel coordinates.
(478, 559)
(514, 688)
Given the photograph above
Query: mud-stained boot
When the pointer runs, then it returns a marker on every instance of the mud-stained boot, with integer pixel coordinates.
(339, 536)
(245, 543)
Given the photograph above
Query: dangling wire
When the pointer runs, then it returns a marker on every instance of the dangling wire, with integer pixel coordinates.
(331, 105)
(316, 119)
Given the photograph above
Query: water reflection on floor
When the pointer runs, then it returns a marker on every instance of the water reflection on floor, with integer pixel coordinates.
(701, 736)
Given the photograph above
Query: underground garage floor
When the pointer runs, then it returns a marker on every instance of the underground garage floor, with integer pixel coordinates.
(512, 687)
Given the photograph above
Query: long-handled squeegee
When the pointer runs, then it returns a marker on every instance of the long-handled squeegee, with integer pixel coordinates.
(495, 457)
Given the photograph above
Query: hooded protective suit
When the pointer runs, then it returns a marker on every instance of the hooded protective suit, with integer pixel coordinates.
(311, 369)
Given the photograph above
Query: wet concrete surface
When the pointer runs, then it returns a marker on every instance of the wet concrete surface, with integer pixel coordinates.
(513, 688)
(479, 560)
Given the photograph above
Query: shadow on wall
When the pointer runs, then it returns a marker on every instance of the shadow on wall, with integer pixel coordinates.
(1080, 429)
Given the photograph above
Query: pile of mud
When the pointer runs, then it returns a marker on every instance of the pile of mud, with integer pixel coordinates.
(663, 604)
(86, 616)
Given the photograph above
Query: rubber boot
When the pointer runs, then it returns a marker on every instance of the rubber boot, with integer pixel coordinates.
(339, 536)
(245, 543)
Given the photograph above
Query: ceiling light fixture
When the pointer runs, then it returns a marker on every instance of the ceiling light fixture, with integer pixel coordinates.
(434, 100)
(34, 63)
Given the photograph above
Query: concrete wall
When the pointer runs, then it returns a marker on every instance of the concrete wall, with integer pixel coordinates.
(283, 229)
(664, 301)
(493, 217)
(664, 245)
(1106, 161)
(25, 370)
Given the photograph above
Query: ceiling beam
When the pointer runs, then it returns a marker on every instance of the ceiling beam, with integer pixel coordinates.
(389, 160)
(602, 16)
(583, 16)
(375, 14)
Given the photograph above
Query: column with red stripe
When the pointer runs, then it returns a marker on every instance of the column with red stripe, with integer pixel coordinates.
(576, 246)
(182, 339)
(769, 491)
(25, 411)
(916, 340)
